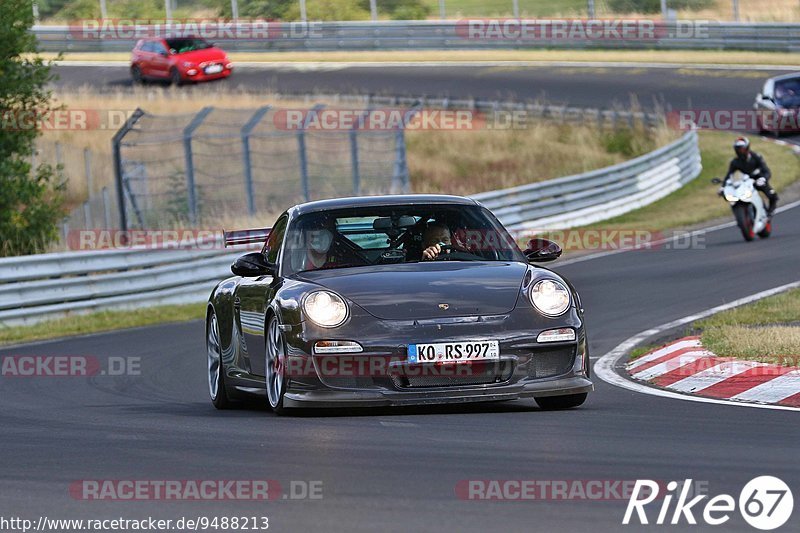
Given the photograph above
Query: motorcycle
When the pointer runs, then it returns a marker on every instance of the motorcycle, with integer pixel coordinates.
(747, 205)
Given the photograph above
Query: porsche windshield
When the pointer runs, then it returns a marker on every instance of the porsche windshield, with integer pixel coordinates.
(373, 235)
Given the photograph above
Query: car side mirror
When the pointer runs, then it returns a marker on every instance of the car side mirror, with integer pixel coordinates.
(253, 265)
(542, 251)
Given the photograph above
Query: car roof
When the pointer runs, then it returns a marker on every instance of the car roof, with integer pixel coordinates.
(783, 77)
(378, 201)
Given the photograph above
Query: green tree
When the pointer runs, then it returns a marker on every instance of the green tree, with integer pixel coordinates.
(30, 199)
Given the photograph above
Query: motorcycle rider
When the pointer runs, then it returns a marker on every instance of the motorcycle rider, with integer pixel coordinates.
(752, 164)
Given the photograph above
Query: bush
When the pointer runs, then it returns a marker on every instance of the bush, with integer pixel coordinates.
(654, 6)
(30, 199)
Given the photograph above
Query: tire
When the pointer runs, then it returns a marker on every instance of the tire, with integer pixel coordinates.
(744, 219)
(275, 366)
(175, 77)
(561, 402)
(767, 231)
(216, 367)
(136, 75)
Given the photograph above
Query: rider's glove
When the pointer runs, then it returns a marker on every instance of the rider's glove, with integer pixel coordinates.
(760, 182)
(721, 191)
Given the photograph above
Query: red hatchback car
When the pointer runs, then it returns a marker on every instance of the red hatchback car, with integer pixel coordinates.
(179, 60)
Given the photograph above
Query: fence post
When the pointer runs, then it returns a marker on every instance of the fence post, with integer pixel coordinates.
(59, 156)
(373, 10)
(191, 189)
(117, 151)
(301, 148)
(515, 8)
(106, 209)
(247, 129)
(400, 174)
(87, 215)
(87, 166)
(354, 153)
(442, 10)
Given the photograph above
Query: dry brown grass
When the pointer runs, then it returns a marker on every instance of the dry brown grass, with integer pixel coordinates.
(463, 162)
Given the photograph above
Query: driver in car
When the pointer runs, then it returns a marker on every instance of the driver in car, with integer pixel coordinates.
(435, 236)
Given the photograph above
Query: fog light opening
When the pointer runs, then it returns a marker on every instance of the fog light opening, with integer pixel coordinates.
(556, 335)
(337, 347)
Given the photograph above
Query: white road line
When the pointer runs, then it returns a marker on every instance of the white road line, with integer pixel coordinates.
(671, 364)
(605, 368)
(661, 352)
(712, 376)
(774, 390)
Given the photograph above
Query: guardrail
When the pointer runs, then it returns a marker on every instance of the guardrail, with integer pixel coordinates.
(34, 288)
(39, 287)
(423, 34)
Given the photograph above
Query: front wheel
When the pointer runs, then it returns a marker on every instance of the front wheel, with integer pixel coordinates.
(275, 366)
(744, 219)
(561, 402)
(175, 77)
(136, 75)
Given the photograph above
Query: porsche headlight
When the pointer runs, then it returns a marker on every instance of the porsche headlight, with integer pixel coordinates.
(550, 297)
(325, 308)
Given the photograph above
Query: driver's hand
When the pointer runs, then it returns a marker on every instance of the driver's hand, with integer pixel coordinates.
(431, 252)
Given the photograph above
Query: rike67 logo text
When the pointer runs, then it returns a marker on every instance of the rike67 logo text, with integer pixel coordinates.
(765, 503)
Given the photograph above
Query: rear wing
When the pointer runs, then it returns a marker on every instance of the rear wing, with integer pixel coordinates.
(245, 236)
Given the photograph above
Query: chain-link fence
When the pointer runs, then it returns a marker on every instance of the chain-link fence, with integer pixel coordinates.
(218, 163)
(86, 171)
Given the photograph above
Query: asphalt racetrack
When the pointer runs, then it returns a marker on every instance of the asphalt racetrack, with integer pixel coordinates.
(397, 470)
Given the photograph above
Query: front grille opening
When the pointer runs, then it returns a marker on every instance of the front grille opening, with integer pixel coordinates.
(546, 363)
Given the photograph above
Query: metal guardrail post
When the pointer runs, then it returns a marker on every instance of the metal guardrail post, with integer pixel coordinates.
(116, 142)
(191, 189)
(302, 153)
(247, 129)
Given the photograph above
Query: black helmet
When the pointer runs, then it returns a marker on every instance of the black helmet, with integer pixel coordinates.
(741, 146)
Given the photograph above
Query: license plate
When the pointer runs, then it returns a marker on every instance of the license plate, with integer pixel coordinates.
(454, 352)
(213, 69)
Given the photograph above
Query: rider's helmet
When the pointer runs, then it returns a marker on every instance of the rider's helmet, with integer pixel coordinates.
(742, 147)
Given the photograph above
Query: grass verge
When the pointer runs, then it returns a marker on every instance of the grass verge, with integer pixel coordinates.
(683, 57)
(767, 331)
(101, 321)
